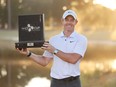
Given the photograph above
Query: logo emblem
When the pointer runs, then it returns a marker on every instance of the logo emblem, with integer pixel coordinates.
(30, 28)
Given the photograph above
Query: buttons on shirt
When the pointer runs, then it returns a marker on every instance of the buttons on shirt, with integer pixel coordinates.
(71, 41)
(66, 39)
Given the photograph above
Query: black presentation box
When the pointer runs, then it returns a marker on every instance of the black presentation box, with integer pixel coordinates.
(31, 31)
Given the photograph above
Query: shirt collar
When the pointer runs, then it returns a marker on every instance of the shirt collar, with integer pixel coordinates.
(73, 35)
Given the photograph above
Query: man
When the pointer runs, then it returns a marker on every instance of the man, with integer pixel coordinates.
(66, 50)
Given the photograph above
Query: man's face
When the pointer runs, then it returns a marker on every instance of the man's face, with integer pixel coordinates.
(69, 23)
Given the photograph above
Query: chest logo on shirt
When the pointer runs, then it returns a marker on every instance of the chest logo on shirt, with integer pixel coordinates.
(71, 41)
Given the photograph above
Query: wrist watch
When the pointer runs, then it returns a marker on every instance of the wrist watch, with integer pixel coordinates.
(56, 51)
(29, 54)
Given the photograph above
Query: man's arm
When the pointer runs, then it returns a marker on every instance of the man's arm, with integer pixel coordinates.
(68, 57)
(42, 60)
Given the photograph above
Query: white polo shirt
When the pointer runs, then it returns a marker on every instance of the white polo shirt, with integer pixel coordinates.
(76, 43)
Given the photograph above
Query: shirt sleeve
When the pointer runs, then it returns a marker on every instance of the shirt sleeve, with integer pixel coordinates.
(48, 54)
(81, 46)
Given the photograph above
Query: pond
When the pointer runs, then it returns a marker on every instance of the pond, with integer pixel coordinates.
(26, 73)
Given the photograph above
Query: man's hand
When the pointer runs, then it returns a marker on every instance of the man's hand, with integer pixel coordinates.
(23, 51)
(47, 46)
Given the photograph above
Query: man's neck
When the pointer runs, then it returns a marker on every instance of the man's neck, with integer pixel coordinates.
(67, 33)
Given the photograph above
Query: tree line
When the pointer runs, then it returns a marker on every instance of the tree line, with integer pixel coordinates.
(90, 15)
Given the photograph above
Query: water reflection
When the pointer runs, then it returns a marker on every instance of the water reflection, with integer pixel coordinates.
(26, 73)
(113, 65)
(38, 82)
(20, 75)
(103, 66)
(3, 71)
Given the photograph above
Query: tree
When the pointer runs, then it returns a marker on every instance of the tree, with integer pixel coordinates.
(3, 16)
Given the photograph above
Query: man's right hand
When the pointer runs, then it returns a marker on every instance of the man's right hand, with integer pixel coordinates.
(23, 51)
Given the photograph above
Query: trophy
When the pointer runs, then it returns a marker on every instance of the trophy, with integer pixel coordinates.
(31, 31)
